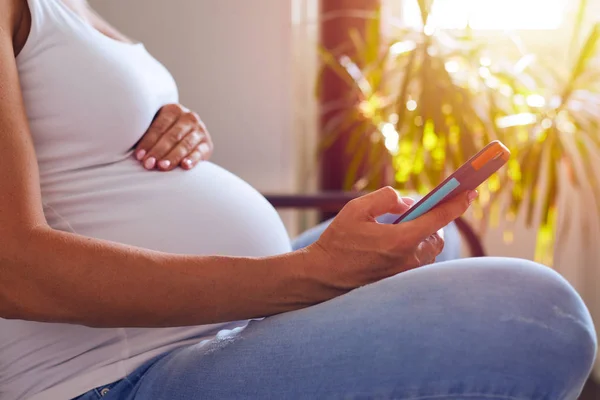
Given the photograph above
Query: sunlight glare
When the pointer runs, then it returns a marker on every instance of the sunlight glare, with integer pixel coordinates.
(391, 137)
(516, 120)
(451, 66)
(489, 14)
(402, 47)
(536, 100)
(485, 62)
(546, 123)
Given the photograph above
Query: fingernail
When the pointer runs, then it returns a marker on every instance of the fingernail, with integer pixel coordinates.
(187, 162)
(203, 147)
(164, 164)
(140, 154)
(150, 163)
(472, 196)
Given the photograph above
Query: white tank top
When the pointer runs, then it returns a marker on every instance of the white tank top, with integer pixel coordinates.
(89, 99)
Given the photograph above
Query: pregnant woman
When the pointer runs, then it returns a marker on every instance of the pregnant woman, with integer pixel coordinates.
(132, 268)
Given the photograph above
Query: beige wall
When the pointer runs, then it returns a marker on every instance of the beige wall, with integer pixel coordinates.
(232, 60)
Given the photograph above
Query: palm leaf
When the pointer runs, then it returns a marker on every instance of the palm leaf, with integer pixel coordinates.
(373, 38)
(564, 229)
(360, 47)
(533, 183)
(356, 136)
(355, 164)
(424, 8)
(588, 51)
(578, 25)
(403, 92)
(546, 237)
(336, 126)
(330, 61)
(591, 170)
(530, 162)
(375, 162)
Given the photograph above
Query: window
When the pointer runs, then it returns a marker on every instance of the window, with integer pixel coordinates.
(489, 14)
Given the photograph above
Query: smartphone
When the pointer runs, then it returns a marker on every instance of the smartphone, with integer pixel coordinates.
(468, 177)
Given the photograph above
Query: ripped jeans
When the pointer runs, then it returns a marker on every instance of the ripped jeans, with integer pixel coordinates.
(480, 328)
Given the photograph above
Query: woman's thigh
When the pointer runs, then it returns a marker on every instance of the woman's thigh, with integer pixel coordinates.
(471, 328)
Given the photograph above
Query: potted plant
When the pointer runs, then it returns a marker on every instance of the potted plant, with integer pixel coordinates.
(422, 103)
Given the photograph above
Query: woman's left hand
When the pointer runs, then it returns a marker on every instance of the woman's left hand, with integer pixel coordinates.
(176, 137)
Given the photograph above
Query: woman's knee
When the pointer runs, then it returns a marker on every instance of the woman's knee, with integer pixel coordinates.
(527, 287)
(565, 310)
(493, 317)
(536, 304)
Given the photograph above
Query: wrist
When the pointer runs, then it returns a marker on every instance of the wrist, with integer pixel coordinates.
(321, 274)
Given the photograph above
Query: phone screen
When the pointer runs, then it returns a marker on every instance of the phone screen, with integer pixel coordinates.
(468, 177)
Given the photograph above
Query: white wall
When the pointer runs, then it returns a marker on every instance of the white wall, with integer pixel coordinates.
(305, 14)
(232, 60)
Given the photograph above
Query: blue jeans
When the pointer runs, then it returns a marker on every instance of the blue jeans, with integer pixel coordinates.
(487, 328)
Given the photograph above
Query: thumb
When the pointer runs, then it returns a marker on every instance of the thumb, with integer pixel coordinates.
(434, 220)
(379, 202)
(404, 204)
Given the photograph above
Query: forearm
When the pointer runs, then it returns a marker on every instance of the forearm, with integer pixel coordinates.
(61, 277)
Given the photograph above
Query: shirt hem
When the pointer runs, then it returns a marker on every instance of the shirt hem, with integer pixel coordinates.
(106, 375)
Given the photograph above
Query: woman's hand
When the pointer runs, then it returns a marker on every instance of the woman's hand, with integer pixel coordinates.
(356, 250)
(176, 137)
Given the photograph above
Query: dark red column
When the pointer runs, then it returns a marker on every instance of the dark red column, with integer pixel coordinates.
(338, 18)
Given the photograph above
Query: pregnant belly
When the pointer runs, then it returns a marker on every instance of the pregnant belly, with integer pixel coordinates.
(204, 211)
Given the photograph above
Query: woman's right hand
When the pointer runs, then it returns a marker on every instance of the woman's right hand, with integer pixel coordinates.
(356, 250)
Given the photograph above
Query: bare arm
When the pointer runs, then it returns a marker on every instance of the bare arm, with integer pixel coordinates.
(48, 275)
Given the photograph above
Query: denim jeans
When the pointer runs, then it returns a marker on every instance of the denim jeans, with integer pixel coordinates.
(479, 328)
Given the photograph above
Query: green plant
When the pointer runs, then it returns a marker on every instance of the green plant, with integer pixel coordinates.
(421, 104)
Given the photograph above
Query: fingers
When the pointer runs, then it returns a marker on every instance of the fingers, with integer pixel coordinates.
(379, 202)
(177, 137)
(166, 143)
(164, 120)
(172, 138)
(409, 201)
(404, 204)
(193, 158)
(429, 249)
(429, 223)
(190, 143)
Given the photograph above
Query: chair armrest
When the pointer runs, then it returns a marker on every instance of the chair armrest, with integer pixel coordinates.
(335, 201)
